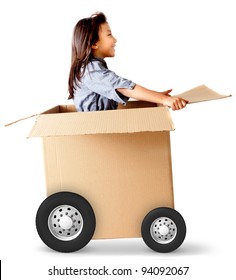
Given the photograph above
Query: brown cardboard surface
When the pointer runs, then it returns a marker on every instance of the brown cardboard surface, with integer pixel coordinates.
(114, 121)
(201, 93)
(120, 161)
(123, 176)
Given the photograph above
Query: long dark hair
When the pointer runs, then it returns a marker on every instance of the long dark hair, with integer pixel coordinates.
(85, 34)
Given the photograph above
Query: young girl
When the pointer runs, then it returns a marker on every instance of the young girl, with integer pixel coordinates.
(92, 86)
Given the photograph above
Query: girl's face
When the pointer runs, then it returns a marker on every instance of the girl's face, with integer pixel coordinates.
(105, 46)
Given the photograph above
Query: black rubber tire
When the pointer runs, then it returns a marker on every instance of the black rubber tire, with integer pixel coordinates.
(153, 216)
(84, 208)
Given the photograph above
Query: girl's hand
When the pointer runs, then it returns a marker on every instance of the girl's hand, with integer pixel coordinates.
(175, 103)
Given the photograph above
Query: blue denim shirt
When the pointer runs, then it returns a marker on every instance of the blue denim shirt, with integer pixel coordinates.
(97, 88)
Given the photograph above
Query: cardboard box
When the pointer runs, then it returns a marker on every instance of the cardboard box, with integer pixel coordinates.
(119, 160)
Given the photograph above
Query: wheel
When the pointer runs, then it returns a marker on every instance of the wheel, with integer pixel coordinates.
(163, 229)
(65, 222)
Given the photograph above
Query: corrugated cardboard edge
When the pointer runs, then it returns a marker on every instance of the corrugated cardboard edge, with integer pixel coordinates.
(55, 109)
(103, 122)
(200, 94)
(22, 119)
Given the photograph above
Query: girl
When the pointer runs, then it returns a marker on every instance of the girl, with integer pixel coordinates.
(92, 86)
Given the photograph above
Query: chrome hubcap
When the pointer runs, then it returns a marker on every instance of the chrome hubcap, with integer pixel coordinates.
(163, 230)
(65, 222)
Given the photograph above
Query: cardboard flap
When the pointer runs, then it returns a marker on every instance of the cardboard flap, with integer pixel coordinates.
(201, 93)
(101, 122)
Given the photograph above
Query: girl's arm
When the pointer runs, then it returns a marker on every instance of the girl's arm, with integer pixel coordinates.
(142, 93)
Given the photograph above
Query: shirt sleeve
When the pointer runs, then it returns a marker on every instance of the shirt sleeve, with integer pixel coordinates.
(105, 82)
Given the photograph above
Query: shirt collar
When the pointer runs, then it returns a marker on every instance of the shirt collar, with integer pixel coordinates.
(99, 59)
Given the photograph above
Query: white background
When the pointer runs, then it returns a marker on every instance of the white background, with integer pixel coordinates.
(161, 44)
